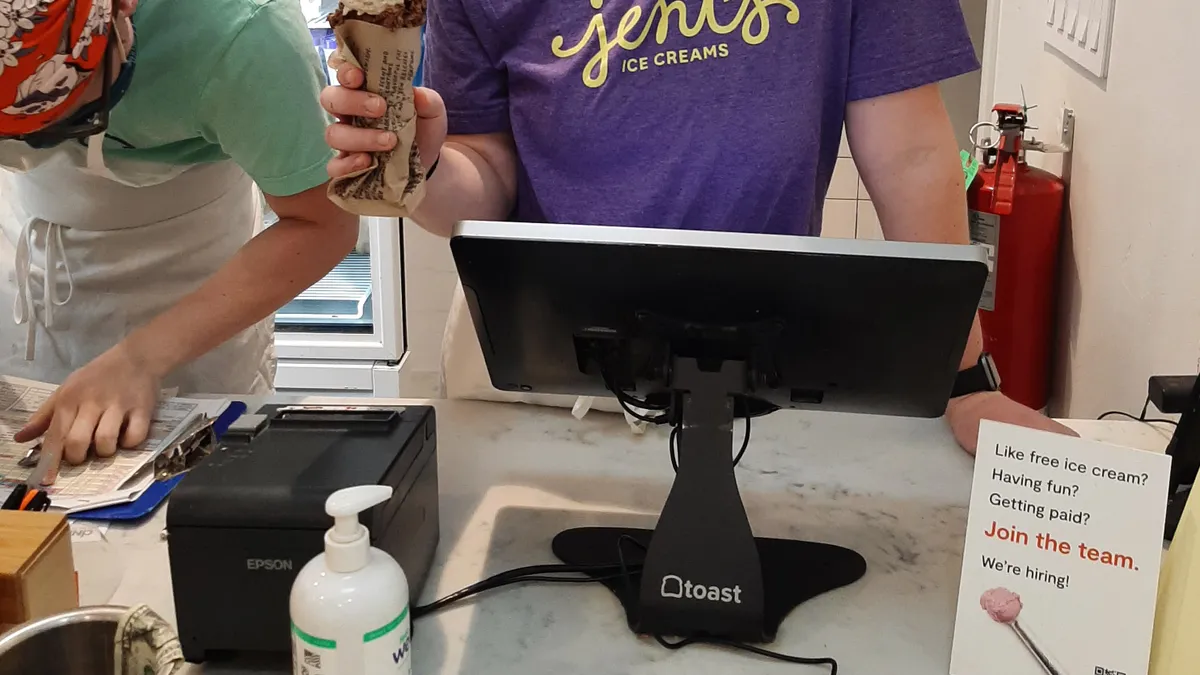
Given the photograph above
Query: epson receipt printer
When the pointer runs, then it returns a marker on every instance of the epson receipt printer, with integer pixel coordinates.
(244, 521)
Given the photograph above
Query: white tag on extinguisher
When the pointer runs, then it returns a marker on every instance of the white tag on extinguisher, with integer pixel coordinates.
(985, 232)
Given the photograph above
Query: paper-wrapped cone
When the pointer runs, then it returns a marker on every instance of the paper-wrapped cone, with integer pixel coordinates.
(387, 47)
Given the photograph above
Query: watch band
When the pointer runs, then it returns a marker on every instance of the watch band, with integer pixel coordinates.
(982, 376)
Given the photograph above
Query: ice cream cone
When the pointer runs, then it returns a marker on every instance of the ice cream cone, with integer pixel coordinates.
(383, 38)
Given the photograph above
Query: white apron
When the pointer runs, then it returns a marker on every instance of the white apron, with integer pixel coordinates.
(90, 252)
(465, 375)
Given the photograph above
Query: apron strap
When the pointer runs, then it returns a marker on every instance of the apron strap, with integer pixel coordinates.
(95, 157)
(23, 305)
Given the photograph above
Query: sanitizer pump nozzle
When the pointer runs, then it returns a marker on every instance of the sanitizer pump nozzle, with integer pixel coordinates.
(348, 541)
(349, 605)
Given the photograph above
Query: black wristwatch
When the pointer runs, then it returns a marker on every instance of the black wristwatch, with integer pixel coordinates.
(982, 376)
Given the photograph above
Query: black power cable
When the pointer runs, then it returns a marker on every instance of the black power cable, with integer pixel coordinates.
(622, 570)
(1141, 417)
(800, 660)
(660, 419)
(531, 574)
(628, 403)
(544, 574)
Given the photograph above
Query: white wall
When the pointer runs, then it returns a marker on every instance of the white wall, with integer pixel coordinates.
(1131, 282)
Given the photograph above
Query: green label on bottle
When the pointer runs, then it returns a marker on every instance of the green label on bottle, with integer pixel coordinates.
(391, 626)
(313, 640)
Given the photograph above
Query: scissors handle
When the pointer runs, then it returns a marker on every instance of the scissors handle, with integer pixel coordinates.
(13, 502)
(25, 498)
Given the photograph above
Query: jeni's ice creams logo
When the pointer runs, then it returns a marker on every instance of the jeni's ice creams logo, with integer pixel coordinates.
(752, 23)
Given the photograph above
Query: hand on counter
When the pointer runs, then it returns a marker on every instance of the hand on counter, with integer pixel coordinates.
(353, 143)
(106, 405)
(964, 415)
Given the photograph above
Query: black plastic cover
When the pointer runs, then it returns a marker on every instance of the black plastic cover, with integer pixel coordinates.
(281, 478)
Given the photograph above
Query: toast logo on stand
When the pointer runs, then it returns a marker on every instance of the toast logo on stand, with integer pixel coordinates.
(268, 564)
(677, 587)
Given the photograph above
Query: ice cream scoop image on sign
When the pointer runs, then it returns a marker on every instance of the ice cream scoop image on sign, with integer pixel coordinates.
(1001, 604)
(1061, 556)
(1004, 607)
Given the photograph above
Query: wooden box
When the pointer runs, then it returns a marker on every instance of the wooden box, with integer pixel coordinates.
(37, 570)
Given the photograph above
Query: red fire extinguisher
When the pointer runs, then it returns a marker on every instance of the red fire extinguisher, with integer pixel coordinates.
(1016, 214)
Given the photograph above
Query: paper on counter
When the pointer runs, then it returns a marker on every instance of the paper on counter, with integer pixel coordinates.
(97, 482)
(129, 491)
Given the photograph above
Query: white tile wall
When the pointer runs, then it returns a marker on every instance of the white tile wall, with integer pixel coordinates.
(430, 275)
(840, 218)
(844, 184)
(868, 221)
(849, 213)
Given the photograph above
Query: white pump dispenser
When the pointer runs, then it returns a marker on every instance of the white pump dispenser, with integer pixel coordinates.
(349, 605)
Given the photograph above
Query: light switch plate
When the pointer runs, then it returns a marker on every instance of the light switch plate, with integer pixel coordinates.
(1081, 30)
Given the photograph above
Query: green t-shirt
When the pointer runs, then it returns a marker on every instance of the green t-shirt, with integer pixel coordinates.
(226, 79)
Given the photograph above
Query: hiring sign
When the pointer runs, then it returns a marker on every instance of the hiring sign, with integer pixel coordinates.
(1061, 560)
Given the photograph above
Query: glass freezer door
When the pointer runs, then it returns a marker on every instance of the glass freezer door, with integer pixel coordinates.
(356, 313)
(346, 332)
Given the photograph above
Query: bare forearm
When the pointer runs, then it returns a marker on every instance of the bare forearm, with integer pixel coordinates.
(267, 273)
(468, 185)
(914, 175)
(919, 196)
(926, 203)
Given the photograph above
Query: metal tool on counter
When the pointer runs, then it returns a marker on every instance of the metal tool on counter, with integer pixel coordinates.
(30, 459)
(30, 496)
(197, 441)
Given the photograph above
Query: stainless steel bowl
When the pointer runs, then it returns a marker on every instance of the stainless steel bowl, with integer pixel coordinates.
(79, 642)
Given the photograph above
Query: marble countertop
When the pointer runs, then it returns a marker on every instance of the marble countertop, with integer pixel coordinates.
(514, 475)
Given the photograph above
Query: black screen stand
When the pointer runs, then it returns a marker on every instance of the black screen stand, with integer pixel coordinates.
(701, 572)
(1184, 450)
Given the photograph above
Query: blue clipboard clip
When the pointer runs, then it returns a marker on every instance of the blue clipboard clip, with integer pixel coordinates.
(200, 440)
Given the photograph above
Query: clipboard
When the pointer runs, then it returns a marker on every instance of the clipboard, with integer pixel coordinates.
(152, 497)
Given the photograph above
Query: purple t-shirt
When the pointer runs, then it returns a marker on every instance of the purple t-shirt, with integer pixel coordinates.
(691, 114)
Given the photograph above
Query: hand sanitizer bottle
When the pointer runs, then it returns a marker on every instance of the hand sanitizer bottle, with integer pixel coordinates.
(349, 605)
